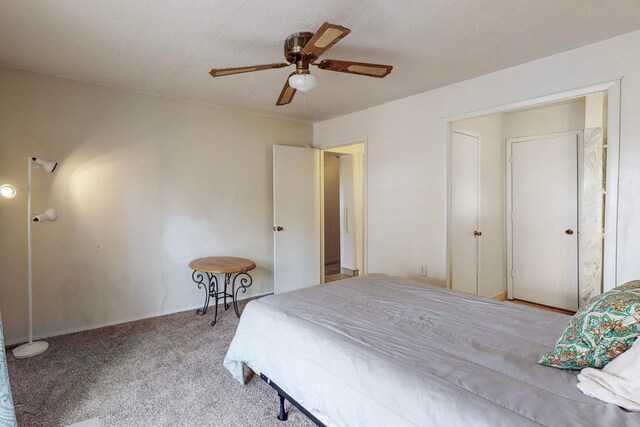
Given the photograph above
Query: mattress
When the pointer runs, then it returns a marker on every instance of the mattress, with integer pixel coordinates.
(379, 350)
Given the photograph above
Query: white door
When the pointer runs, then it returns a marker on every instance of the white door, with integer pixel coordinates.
(544, 219)
(296, 216)
(464, 223)
(347, 216)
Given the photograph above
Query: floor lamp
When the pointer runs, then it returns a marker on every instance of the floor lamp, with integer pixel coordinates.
(32, 348)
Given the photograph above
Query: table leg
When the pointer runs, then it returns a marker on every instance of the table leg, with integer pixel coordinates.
(209, 286)
(241, 281)
(245, 281)
(215, 312)
(227, 280)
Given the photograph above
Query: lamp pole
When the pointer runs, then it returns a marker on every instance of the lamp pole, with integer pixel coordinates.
(31, 348)
(29, 256)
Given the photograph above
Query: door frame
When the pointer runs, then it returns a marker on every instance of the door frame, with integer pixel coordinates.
(508, 200)
(364, 227)
(449, 201)
(613, 90)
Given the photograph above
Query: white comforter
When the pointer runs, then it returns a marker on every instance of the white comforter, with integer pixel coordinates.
(384, 351)
(618, 382)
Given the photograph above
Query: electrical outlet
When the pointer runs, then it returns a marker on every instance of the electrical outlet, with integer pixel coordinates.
(423, 270)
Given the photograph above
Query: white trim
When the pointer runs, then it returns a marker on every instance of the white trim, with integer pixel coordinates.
(544, 99)
(612, 183)
(341, 143)
(120, 322)
(465, 132)
(447, 206)
(508, 200)
(479, 205)
(544, 136)
(580, 178)
(508, 220)
(322, 245)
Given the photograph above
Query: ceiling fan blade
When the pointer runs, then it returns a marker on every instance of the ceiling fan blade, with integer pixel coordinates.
(286, 96)
(219, 72)
(326, 36)
(361, 68)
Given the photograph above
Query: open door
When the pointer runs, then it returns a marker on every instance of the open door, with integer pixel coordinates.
(465, 211)
(296, 216)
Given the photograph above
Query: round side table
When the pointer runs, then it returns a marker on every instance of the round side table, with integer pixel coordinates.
(204, 274)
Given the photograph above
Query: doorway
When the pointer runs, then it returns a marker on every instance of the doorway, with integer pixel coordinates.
(299, 217)
(343, 212)
(553, 250)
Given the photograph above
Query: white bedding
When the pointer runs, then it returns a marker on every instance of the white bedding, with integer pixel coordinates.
(384, 351)
(618, 382)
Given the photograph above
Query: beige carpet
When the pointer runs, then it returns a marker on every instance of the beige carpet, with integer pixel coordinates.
(165, 371)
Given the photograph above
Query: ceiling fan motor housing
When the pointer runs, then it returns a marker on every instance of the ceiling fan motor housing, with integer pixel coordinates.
(294, 44)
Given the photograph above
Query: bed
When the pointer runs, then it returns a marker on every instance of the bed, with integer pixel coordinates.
(379, 350)
(7, 414)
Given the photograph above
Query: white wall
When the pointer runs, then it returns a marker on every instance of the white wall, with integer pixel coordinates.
(493, 264)
(145, 184)
(331, 208)
(546, 120)
(407, 151)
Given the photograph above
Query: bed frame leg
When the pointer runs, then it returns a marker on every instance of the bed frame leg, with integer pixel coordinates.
(282, 416)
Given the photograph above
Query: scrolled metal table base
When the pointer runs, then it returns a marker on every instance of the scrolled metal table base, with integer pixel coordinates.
(209, 281)
(245, 282)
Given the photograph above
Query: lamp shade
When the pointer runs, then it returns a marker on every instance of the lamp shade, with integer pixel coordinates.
(48, 215)
(303, 82)
(48, 165)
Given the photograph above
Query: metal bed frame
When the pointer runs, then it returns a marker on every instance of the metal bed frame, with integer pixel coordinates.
(282, 414)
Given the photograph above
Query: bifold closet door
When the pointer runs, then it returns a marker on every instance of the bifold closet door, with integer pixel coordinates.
(464, 245)
(544, 220)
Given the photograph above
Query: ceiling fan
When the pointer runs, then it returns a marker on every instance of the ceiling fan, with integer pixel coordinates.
(303, 49)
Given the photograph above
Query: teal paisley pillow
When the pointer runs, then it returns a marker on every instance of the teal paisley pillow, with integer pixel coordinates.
(604, 328)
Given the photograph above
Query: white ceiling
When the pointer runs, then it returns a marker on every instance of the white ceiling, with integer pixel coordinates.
(168, 47)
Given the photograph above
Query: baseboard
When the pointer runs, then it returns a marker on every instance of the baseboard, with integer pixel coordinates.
(500, 297)
(349, 272)
(120, 322)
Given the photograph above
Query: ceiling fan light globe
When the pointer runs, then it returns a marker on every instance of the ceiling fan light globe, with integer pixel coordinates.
(303, 82)
(7, 191)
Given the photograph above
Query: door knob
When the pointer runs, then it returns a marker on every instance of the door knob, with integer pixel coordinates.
(278, 228)
(477, 233)
(569, 232)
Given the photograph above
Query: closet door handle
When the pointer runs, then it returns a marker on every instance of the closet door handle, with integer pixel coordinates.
(346, 219)
(477, 233)
(569, 232)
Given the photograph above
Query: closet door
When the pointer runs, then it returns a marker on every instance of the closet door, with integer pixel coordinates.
(464, 219)
(544, 219)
